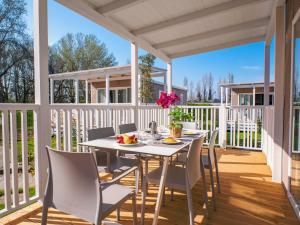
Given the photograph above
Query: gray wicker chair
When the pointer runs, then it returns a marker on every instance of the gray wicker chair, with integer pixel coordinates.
(74, 187)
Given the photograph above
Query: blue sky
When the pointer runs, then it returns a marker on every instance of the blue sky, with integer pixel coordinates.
(245, 62)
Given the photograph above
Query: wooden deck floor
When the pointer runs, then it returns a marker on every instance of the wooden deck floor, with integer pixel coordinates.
(248, 198)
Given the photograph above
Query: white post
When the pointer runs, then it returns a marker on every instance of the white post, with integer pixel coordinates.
(279, 93)
(86, 91)
(106, 89)
(76, 88)
(222, 95)
(134, 81)
(42, 129)
(169, 77)
(266, 100)
(253, 93)
(165, 82)
(267, 75)
(51, 91)
(226, 96)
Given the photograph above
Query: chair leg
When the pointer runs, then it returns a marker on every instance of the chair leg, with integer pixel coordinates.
(204, 186)
(144, 195)
(146, 174)
(190, 205)
(118, 214)
(164, 197)
(172, 194)
(137, 178)
(217, 171)
(134, 215)
(212, 187)
(44, 214)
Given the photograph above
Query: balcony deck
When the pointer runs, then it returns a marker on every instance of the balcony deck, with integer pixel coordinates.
(248, 197)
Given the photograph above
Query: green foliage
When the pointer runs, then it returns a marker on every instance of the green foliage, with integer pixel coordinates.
(75, 52)
(178, 116)
(146, 89)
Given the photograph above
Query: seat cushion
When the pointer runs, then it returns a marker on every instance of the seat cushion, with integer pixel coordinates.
(113, 195)
(175, 177)
(122, 164)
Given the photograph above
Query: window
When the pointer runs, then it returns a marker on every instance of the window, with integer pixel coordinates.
(122, 96)
(112, 96)
(101, 96)
(246, 99)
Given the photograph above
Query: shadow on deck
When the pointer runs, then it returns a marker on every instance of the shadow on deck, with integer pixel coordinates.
(248, 197)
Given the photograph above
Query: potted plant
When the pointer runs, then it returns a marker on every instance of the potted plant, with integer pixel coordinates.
(177, 114)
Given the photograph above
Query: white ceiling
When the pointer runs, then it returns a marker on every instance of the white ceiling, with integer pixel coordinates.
(177, 28)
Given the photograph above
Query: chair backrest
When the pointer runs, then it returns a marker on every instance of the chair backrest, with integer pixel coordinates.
(193, 171)
(98, 133)
(211, 148)
(126, 128)
(189, 125)
(73, 184)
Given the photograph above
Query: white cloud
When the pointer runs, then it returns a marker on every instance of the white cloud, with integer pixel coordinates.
(252, 67)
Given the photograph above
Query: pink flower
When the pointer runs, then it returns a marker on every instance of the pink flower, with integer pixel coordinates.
(165, 100)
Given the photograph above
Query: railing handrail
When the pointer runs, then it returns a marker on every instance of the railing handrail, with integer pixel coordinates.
(18, 106)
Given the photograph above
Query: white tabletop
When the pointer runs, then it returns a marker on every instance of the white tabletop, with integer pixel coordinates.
(152, 148)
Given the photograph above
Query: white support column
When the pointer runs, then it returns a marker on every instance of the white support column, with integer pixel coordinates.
(254, 93)
(226, 96)
(51, 91)
(279, 93)
(134, 80)
(76, 88)
(86, 91)
(106, 89)
(169, 77)
(222, 95)
(42, 116)
(267, 75)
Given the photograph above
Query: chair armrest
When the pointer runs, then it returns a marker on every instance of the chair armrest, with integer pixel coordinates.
(116, 179)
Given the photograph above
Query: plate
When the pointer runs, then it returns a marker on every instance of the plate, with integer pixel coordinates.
(128, 145)
(191, 133)
(172, 143)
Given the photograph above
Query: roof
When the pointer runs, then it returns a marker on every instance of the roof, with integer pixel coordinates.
(176, 28)
(113, 71)
(173, 86)
(245, 85)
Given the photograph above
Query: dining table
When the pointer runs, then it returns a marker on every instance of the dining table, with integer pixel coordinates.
(150, 146)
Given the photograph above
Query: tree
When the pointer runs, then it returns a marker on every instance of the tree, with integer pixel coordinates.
(204, 87)
(191, 91)
(16, 54)
(198, 92)
(146, 88)
(75, 52)
(230, 78)
(210, 82)
(185, 82)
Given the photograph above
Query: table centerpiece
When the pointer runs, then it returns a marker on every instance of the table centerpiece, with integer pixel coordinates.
(177, 114)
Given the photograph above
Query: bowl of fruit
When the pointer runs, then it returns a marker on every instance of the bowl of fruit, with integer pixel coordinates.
(127, 140)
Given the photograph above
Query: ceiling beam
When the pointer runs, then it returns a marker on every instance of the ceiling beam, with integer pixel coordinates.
(117, 5)
(212, 33)
(87, 10)
(271, 26)
(217, 47)
(195, 15)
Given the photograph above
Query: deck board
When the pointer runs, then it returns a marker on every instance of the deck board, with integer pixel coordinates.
(248, 197)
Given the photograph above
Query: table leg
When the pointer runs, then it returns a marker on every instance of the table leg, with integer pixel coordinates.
(161, 190)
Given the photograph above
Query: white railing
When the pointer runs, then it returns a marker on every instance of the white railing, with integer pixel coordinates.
(206, 117)
(268, 134)
(244, 127)
(240, 127)
(19, 153)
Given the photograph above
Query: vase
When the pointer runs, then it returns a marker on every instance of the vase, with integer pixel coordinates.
(176, 132)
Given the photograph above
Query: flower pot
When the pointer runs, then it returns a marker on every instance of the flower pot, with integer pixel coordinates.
(176, 132)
